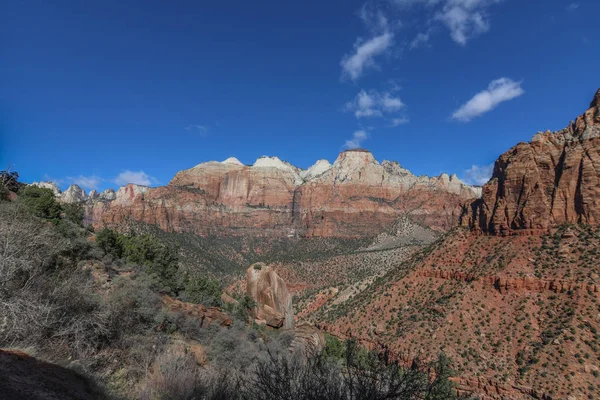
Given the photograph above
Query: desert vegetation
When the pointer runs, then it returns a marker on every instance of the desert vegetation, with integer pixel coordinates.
(95, 303)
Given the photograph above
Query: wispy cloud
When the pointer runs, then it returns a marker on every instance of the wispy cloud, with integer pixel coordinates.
(137, 177)
(201, 129)
(498, 91)
(86, 182)
(399, 121)
(421, 40)
(354, 65)
(478, 174)
(373, 104)
(572, 6)
(374, 19)
(465, 19)
(357, 138)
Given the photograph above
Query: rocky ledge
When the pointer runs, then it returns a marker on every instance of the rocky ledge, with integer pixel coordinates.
(550, 181)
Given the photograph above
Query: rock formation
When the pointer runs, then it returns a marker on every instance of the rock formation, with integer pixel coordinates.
(269, 292)
(74, 194)
(355, 196)
(205, 315)
(48, 185)
(552, 180)
(308, 340)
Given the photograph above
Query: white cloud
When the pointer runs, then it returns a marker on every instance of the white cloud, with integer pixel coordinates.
(422, 39)
(137, 177)
(374, 19)
(201, 129)
(465, 18)
(354, 65)
(478, 174)
(373, 104)
(357, 138)
(572, 6)
(86, 182)
(400, 121)
(498, 91)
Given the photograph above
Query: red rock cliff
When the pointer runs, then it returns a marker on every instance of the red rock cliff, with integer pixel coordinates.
(354, 197)
(552, 180)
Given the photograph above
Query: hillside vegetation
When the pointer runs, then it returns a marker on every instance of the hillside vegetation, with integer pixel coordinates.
(95, 309)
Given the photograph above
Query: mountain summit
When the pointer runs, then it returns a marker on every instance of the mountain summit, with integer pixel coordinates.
(356, 196)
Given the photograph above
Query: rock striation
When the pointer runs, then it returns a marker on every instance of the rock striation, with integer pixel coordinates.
(273, 302)
(552, 180)
(356, 196)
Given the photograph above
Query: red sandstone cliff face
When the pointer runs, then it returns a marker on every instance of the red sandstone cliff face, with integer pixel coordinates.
(356, 196)
(553, 180)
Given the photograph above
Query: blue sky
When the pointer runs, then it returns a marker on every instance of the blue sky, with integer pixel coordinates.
(103, 92)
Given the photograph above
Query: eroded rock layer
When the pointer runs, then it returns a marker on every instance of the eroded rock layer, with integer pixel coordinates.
(552, 180)
(353, 197)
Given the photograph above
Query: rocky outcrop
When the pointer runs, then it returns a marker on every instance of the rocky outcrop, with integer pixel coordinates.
(490, 389)
(308, 340)
(273, 302)
(552, 180)
(356, 196)
(506, 284)
(48, 185)
(74, 194)
(205, 315)
(315, 170)
(108, 195)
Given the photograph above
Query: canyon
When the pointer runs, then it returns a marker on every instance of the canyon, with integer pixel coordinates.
(503, 279)
(354, 197)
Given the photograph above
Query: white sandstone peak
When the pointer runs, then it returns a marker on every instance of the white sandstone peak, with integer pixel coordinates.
(127, 194)
(108, 195)
(232, 161)
(48, 185)
(275, 162)
(74, 194)
(317, 169)
(356, 157)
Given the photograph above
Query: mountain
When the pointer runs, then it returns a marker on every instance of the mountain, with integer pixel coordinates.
(511, 296)
(354, 197)
(552, 180)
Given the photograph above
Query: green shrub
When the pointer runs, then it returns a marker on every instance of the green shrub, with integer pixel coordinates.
(41, 203)
(73, 212)
(333, 347)
(203, 290)
(159, 259)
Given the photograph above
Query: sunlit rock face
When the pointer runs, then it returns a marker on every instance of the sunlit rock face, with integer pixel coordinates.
(273, 302)
(355, 196)
(552, 180)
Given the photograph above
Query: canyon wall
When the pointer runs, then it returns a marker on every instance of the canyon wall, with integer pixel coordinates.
(552, 180)
(356, 196)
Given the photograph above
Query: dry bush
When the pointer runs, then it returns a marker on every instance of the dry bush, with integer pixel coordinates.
(175, 376)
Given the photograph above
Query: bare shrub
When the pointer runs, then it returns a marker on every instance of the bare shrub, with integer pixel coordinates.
(175, 376)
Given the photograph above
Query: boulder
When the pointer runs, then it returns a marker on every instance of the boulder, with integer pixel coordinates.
(272, 298)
